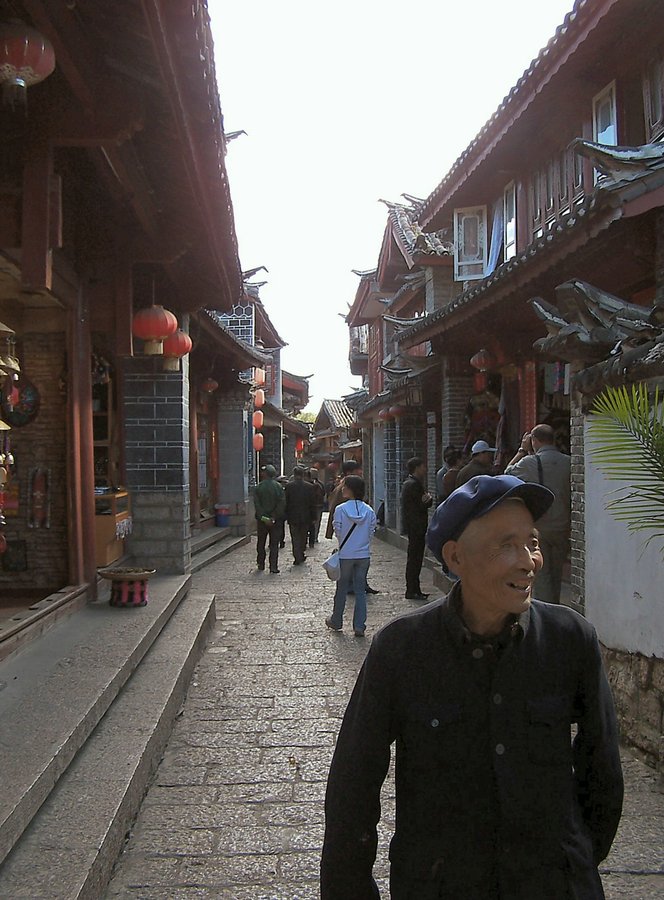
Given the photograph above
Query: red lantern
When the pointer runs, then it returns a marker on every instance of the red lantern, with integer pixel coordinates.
(175, 347)
(257, 419)
(26, 58)
(258, 442)
(154, 324)
(259, 375)
(259, 398)
(384, 414)
(483, 360)
(480, 382)
(209, 386)
(397, 411)
(299, 445)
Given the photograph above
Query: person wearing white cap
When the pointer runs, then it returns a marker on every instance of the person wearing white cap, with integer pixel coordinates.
(480, 464)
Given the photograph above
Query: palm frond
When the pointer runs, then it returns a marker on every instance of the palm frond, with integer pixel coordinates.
(626, 436)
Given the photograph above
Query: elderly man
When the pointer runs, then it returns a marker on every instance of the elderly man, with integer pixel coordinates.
(538, 460)
(479, 690)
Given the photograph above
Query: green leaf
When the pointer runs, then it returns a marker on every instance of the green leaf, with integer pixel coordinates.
(626, 437)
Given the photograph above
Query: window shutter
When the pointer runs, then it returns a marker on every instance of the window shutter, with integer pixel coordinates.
(470, 243)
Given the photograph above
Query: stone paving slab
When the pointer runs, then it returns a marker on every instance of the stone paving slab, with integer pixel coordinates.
(236, 808)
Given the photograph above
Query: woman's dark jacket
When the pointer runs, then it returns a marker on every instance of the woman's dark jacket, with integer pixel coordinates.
(493, 799)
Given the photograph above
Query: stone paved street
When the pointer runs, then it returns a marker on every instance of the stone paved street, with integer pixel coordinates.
(236, 808)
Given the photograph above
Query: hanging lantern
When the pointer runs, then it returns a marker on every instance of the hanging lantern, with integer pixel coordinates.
(26, 58)
(209, 386)
(259, 398)
(258, 442)
(257, 419)
(483, 360)
(480, 382)
(299, 445)
(259, 376)
(175, 347)
(154, 324)
(384, 414)
(397, 411)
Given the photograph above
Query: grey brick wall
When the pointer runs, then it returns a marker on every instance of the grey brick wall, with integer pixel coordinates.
(578, 517)
(233, 462)
(392, 471)
(456, 390)
(156, 432)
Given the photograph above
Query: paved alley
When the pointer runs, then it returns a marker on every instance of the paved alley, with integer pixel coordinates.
(236, 808)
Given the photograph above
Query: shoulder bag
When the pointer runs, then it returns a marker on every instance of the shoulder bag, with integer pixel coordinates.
(332, 565)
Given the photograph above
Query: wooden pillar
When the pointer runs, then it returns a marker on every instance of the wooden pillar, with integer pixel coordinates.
(81, 455)
(36, 254)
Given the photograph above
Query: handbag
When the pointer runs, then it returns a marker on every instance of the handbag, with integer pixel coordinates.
(332, 565)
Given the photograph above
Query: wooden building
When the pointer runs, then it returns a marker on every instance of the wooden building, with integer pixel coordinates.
(555, 215)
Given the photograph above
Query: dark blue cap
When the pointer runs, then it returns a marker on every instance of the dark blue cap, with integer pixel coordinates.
(476, 498)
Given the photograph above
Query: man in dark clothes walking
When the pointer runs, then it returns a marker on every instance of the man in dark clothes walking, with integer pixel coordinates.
(269, 507)
(319, 494)
(415, 502)
(300, 512)
(479, 690)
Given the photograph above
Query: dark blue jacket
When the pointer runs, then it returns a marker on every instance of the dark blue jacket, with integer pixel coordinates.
(493, 798)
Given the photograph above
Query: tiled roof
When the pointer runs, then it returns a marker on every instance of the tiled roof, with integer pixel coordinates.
(339, 414)
(408, 231)
(608, 199)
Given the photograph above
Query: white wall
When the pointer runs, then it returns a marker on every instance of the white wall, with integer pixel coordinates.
(624, 579)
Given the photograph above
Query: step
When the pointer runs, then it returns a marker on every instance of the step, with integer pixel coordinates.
(217, 550)
(69, 849)
(55, 691)
(206, 537)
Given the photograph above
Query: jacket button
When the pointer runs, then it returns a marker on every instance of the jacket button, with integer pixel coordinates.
(435, 723)
(500, 749)
(478, 653)
(497, 699)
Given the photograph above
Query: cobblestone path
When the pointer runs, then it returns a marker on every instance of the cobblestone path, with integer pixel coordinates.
(236, 808)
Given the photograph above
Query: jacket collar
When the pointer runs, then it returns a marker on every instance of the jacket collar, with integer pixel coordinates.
(459, 631)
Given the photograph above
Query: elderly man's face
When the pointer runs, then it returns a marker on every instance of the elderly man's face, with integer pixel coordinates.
(497, 558)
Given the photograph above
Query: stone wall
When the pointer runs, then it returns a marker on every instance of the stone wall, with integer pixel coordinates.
(391, 474)
(233, 463)
(578, 513)
(637, 682)
(456, 390)
(42, 444)
(156, 432)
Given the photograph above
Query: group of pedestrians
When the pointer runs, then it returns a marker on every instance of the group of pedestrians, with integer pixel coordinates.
(297, 501)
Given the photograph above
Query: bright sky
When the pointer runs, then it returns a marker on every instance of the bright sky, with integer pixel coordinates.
(344, 104)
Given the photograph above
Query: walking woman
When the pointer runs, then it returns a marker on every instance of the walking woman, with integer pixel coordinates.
(354, 526)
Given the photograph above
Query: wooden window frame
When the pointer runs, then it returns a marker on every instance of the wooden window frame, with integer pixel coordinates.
(462, 266)
(654, 86)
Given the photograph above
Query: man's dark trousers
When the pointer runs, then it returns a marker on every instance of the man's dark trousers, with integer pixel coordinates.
(414, 560)
(299, 532)
(262, 532)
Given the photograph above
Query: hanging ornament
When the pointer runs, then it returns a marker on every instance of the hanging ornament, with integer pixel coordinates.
(175, 347)
(209, 386)
(384, 414)
(258, 442)
(483, 360)
(257, 419)
(26, 58)
(259, 398)
(397, 411)
(259, 376)
(299, 445)
(153, 324)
